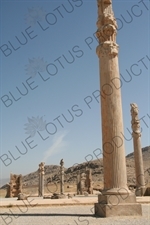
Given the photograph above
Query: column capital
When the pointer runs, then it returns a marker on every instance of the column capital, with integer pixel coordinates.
(41, 168)
(107, 29)
(62, 162)
(107, 48)
(106, 23)
(135, 123)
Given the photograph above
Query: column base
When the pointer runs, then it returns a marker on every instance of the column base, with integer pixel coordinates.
(117, 205)
(117, 191)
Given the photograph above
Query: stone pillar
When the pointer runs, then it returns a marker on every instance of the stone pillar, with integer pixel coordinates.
(82, 183)
(20, 184)
(136, 134)
(78, 183)
(41, 179)
(115, 175)
(39, 190)
(11, 185)
(89, 181)
(62, 177)
(15, 186)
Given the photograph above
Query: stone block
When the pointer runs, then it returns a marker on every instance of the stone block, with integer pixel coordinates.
(126, 209)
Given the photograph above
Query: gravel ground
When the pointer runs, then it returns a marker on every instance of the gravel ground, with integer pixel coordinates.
(66, 215)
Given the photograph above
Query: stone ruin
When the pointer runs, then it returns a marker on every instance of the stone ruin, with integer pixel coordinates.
(84, 183)
(41, 172)
(62, 177)
(61, 195)
(14, 186)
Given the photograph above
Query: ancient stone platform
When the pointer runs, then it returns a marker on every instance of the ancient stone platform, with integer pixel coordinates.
(39, 201)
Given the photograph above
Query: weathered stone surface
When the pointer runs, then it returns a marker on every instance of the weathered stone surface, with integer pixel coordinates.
(109, 210)
(14, 186)
(84, 182)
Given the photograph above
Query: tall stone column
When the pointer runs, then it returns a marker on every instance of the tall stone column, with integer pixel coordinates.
(78, 183)
(115, 175)
(39, 171)
(10, 190)
(20, 184)
(136, 134)
(89, 181)
(62, 177)
(41, 179)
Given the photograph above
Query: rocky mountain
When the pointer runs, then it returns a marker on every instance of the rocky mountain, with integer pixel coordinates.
(145, 153)
(52, 171)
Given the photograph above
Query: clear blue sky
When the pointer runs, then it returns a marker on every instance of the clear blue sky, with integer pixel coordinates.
(49, 69)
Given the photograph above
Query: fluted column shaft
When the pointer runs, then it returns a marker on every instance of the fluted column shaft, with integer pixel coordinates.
(116, 199)
(41, 179)
(42, 184)
(136, 134)
(39, 182)
(62, 176)
(115, 176)
(139, 170)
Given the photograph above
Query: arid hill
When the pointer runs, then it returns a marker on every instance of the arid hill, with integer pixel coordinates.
(52, 171)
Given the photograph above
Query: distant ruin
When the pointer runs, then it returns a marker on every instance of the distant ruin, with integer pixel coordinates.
(14, 186)
(84, 183)
(41, 172)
